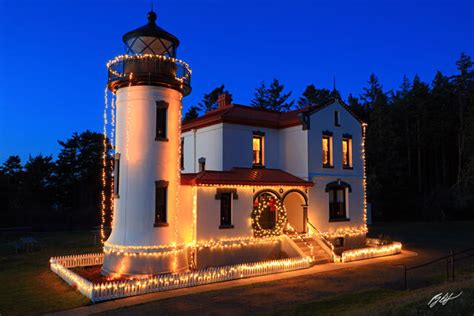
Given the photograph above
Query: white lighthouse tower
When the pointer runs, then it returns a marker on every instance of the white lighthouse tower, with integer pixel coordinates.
(149, 83)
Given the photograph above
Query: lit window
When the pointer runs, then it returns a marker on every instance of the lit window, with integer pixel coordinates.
(327, 150)
(161, 113)
(257, 146)
(346, 152)
(161, 197)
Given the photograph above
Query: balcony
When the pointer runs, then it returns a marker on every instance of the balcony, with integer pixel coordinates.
(153, 70)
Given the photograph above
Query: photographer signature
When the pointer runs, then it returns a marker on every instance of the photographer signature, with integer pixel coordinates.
(442, 299)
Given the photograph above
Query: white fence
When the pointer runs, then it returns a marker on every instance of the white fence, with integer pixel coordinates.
(123, 288)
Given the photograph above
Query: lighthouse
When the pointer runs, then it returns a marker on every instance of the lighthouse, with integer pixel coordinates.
(149, 83)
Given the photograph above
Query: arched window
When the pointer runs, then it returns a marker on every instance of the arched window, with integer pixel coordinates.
(338, 193)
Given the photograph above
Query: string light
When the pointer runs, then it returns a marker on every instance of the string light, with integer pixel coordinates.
(364, 177)
(116, 288)
(112, 165)
(371, 252)
(346, 232)
(111, 63)
(271, 204)
(104, 168)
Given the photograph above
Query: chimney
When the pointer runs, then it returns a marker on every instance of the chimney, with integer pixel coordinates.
(202, 164)
(224, 100)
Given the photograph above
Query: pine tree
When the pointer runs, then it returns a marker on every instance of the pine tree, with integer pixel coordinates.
(209, 100)
(272, 97)
(191, 114)
(312, 96)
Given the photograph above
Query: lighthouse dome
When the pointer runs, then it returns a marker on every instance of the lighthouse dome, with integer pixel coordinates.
(150, 39)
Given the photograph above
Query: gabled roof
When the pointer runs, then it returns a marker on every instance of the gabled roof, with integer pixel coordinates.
(244, 176)
(313, 109)
(246, 115)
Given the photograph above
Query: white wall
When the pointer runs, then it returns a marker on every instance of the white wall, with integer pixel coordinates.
(294, 151)
(205, 142)
(323, 120)
(318, 211)
(238, 146)
(208, 217)
(143, 161)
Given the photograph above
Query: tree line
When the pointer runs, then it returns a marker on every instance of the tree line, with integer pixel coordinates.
(419, 151)
(50, 194)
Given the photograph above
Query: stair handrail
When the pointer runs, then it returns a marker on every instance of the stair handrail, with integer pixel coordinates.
(324, 240)
(300, 237)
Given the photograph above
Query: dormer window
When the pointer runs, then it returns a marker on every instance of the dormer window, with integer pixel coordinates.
(257, 147)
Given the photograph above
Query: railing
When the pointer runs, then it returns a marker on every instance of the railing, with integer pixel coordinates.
(328, 246)
(450, 260)
(149, 69)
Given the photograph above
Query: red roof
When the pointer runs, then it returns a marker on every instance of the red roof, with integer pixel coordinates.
(245, 176)
(245, 115)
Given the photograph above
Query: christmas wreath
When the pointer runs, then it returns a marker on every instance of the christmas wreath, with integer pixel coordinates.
(272, 204)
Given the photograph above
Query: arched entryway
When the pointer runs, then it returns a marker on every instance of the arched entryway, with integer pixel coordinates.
(296, 205)
(268, 217)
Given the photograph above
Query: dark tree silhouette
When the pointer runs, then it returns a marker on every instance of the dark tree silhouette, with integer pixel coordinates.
(312, 96)
(209, 100)
(192, 113)
(272, 97)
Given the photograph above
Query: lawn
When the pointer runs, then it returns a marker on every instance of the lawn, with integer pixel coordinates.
(28, 286)
(392, 302)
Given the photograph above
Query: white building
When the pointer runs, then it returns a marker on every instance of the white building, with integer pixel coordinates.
(238, 184)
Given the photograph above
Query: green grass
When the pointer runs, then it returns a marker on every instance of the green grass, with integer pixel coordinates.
(340, 304)
(28, 287)
(391, 302)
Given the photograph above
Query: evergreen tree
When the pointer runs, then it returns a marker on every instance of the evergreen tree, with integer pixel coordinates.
(272, 97)
(312, 96)
(209, 100)
(191, 114)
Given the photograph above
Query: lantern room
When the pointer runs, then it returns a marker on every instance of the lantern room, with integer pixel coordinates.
(150, 59)
(150, 39)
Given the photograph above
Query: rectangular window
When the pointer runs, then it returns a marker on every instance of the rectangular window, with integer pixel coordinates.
(257, 145)
(226, 209)
(346, 152)
(327, 151)
(337, 204)
(182, 153)
(337, 118)
(117, 175)
(161, 117)
(161, 198)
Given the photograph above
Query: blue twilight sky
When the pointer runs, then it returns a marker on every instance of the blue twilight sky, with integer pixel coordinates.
(53, 53)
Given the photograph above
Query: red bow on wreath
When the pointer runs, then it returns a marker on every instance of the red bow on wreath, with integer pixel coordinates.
(272, 205)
